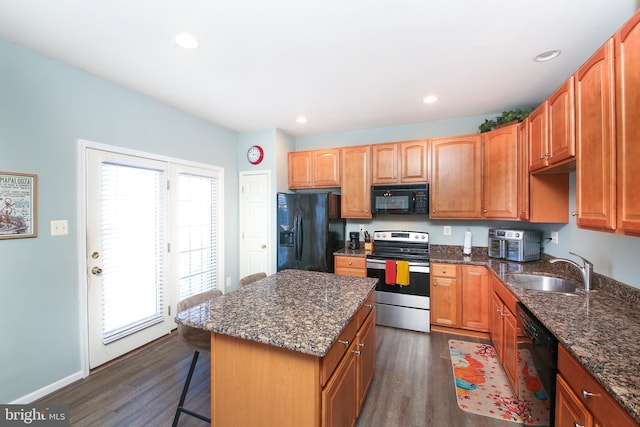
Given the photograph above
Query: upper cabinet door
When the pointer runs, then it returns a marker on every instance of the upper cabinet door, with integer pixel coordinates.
(456, 177)
(561, 121)
(326, 170)
(627, 47)
(385, 163)
(595, 140)
(414, 161)
(356, 181)
(538, 135)
(300, 165)
(500, 173)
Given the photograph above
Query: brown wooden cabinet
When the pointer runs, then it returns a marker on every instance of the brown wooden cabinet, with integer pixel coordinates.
(595, 140)
(500, 173)
(538, 135)
(580, 399)
(503, 329)
(627, 51)
(541, 197)
(350, 265)
(339, 397)
(365, 358)
(314, 169)
(444, 294)
(561, 124)
(400, 162)
(552, 130)
(355, 173)
(459, 296)
(474, 289)
(456, 177)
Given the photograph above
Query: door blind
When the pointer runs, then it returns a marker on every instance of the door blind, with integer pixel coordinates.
(133, 230)
(197, 235)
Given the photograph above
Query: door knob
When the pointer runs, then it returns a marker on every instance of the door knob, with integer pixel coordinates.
(95, 255)
(263, 246)
(96, 270)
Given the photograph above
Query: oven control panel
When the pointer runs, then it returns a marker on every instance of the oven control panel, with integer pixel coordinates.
(401, 236)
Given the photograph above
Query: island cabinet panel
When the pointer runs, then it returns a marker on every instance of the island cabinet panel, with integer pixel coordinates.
(337, 350)
(456, 177)
(583, 400)
(340, 396)
(627, 47)
(595, 140)
(259, 385)
(366, 357)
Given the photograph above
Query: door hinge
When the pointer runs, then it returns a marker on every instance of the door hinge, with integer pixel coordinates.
(168, 247)
(169, 310)
(168, 185)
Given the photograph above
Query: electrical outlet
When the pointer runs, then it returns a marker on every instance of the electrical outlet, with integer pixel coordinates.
(361, 228)
(447, 230)
(59, 227)
(554, 237)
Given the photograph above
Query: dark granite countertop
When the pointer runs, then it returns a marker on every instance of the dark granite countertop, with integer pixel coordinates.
(304, 311)
(600, 328)
(360, 253)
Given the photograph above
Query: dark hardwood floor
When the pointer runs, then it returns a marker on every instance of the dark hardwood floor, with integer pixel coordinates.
(412, 387)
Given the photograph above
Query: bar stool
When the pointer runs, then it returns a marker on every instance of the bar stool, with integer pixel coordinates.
(199, 340)
(252, 278)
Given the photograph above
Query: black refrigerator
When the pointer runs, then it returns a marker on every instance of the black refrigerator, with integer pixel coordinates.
(310, 230)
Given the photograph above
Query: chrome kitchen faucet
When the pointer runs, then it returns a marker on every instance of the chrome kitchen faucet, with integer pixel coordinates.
(586, 270)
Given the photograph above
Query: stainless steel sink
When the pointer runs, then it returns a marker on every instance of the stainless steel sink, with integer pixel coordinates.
(542, 283)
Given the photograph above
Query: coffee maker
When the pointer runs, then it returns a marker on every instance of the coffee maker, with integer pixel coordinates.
(354, 240)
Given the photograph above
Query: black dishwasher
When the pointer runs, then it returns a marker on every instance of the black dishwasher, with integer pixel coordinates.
(541, 360)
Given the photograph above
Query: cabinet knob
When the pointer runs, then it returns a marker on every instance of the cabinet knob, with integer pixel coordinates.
(435, 284)
(357, 352)
(350, 263)
(541, 157)
(485, 211)
(434, 211)
(547, 155)
(577, 425)
(346, 343)
(523, 211)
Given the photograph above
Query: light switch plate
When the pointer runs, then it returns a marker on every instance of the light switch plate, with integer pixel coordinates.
(59, 227)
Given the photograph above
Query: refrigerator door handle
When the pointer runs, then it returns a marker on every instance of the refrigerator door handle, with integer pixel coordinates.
(296, 237)
(300, 237)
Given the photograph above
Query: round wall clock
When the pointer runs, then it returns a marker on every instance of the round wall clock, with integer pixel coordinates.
(255, 154)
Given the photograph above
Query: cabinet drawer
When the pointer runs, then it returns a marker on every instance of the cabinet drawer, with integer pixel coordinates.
(601, 404)
(366, 308)
(443, 270)
(350, 262)
(337, 350)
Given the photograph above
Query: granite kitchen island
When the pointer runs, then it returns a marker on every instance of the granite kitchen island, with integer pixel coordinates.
(296, 348)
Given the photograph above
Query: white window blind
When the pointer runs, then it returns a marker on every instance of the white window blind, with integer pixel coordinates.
(133, 210)
(197, 234)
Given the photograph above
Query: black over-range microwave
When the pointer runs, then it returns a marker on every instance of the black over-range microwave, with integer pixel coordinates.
(400, 199)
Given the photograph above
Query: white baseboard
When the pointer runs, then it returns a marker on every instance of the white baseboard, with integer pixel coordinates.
(48, 389)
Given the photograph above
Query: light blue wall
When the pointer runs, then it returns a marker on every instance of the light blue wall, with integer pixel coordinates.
(45, 107)
(613, 255)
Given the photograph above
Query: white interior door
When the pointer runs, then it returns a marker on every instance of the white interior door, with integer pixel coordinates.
(126, 253)
(255, 222)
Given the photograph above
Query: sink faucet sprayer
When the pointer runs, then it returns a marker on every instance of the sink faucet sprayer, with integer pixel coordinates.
(586, 269)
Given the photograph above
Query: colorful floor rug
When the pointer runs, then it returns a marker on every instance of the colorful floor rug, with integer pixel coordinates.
(482, 386)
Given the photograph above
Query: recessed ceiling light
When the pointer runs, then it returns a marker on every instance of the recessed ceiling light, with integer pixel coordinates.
(430, 99)
(547, 56)
(187, 41)
(301, 119)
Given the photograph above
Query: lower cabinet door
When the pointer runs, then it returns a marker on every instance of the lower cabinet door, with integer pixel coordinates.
(339, 397)
(366, 358)
(570, 412)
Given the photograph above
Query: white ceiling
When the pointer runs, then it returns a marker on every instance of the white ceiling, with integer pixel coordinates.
(344, 64)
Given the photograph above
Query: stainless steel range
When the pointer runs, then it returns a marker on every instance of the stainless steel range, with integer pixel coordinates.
(400, 262)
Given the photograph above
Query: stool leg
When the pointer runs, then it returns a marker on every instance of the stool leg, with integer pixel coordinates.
(185, 389)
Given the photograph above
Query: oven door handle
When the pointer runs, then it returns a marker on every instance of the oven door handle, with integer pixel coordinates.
(380, 264)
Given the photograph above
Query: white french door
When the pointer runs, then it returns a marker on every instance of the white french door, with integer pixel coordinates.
(127, 251)
(152, 238)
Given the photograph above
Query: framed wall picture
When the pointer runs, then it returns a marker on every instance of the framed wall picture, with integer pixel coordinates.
(18, 205)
